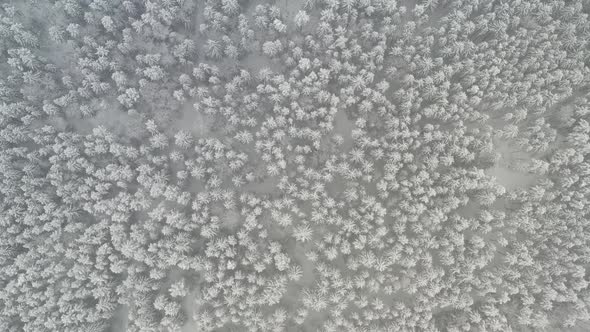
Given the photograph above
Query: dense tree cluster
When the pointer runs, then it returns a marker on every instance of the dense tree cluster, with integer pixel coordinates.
(329, 165)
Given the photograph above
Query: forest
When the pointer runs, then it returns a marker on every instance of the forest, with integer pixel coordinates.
(294, 165)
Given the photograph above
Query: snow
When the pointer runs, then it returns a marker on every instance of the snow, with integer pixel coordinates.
(506, 169)
(343, 126)
(120, 319)
(192, 121)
